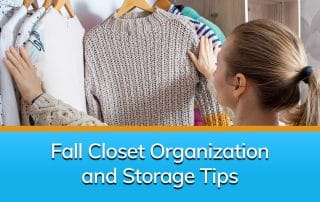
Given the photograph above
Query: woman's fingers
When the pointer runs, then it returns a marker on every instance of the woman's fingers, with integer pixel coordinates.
(208, 42)
(12, 69)
(216, 49)
(15, 53)
(210, 46)
(207, 47)
(25, 57)
(193, 58)
(14, 61)
(202, 46)
(24, 74)
(205, 44)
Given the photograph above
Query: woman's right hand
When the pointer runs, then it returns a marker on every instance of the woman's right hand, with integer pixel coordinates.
(206, 63)
(24, 73)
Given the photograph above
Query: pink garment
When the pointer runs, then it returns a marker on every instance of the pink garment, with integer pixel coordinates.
(197, 118)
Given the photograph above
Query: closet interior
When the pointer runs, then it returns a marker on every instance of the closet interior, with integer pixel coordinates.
(228, 14)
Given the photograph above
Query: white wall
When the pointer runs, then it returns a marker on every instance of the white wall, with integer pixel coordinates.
(310, 30)
(92, 12)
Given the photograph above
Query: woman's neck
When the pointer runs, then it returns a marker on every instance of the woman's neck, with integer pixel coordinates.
(251, 115)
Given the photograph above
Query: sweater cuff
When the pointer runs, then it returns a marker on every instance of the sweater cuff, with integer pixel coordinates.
(36, 98)
(44, 100)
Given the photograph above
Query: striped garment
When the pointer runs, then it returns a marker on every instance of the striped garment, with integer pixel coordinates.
(204, 30)
(201, 28)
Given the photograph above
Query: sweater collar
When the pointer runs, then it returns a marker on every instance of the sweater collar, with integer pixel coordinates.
(137, 21)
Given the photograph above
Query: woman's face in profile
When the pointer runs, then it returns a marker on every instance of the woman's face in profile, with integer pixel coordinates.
(222, 81)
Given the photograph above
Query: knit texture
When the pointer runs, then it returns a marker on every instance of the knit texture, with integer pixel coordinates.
(48, 111)
(138, 71)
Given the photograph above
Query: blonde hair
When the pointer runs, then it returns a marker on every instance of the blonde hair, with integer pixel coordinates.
(273, 57)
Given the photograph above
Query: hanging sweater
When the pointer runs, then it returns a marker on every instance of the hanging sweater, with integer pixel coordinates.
(138, 71)
(190, 12)
(218, 112)
(7, 9)
(56, 48)
(200, 28)
(8, 35)
(47, 110)
(23, 36)
(27, 27)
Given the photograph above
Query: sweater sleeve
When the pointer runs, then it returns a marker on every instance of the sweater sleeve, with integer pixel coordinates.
(90, 81)
(48, 111)
(93, 104)
(211, 111)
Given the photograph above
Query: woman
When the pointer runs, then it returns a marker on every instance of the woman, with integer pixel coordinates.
(258, 73)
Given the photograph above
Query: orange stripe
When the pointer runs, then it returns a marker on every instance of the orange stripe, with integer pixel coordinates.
(219, 119)
(160, 129)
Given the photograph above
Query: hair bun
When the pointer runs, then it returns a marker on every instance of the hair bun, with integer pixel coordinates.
(305, 74)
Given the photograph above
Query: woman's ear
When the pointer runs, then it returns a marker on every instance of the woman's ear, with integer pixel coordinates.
(240, 85)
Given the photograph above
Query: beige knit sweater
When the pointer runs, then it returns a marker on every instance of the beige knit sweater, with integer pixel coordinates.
(138, 71)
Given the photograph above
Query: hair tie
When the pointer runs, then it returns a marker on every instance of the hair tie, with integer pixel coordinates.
(305, 74)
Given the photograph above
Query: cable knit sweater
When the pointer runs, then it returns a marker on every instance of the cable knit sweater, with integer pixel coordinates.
(48, 111)
(138, 71)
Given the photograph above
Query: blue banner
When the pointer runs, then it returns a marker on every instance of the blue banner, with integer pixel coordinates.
(159, 166)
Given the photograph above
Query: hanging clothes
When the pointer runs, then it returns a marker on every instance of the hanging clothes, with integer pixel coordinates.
(7, 9)
(56, 48)
(215, 115)
(8, 35)
(138, 71)
(27, 27)
(190, 12)
(201, 28)
(22, 37)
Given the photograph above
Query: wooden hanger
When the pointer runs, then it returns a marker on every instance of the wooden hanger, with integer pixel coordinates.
(129, 5)
(163, 4)
(47, 4)
(28, 3)
(64, 3)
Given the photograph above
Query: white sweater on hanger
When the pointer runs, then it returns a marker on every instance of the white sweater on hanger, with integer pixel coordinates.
(7, 9)
(56, 49)
(8, 36)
